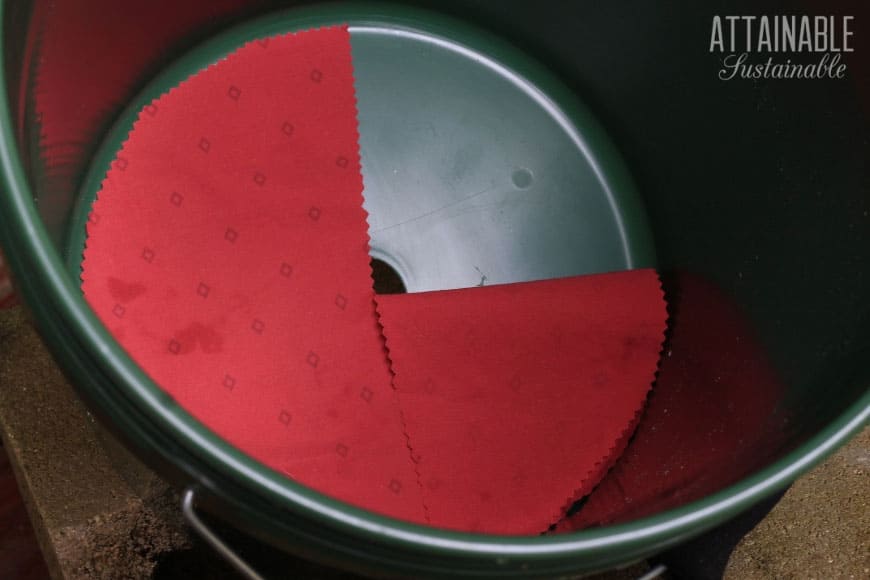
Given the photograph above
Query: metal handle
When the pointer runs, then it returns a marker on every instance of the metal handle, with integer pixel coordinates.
(654, 573)
(187, 508)
(201, 528)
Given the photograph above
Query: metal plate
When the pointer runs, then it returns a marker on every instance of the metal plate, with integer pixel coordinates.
(474, 172)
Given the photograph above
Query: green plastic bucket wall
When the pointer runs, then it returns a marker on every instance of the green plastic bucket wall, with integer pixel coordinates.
(759, 188)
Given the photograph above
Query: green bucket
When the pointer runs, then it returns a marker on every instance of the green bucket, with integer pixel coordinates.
(757, 187)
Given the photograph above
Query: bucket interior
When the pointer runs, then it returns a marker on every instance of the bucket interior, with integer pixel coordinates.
(752, 200)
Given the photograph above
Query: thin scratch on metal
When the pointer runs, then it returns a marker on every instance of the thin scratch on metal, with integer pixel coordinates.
(440, 209)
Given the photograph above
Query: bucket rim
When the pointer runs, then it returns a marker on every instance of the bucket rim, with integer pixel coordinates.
(68, 323)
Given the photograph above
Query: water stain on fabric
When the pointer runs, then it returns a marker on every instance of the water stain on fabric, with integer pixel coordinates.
(197, 334)
(125, 291)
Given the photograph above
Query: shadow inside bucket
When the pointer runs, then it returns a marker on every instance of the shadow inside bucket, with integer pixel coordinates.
(713, 416)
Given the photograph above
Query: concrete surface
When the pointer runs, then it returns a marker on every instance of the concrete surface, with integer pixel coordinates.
(89, 521)
(819, 530)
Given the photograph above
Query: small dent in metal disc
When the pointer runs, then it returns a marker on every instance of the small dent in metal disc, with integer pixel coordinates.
(522, 178)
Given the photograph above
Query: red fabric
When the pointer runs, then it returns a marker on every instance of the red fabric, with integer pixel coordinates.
(512, 394)
(228, 252)
(710, 421)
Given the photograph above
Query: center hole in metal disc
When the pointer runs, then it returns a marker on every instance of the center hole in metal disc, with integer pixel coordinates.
(386, 279)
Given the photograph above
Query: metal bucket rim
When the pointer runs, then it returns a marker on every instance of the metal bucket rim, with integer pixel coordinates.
(57, 304)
